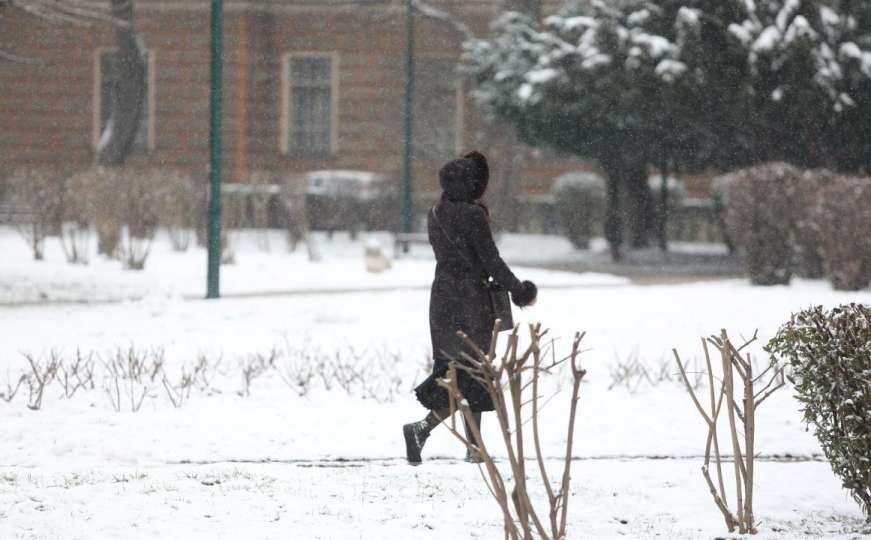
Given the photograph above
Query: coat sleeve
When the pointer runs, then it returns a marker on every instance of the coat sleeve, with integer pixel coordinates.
(485, 248)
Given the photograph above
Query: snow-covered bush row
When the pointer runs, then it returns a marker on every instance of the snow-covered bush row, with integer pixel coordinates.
(124, 207)
(130, 376)
(828, 353)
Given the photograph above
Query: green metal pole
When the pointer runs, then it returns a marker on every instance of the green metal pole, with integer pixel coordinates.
(214, 272)
(409, 104)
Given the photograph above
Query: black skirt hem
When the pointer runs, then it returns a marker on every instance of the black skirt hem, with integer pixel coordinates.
(434, 397)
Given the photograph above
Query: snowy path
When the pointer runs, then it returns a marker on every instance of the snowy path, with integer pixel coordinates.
(441, 499)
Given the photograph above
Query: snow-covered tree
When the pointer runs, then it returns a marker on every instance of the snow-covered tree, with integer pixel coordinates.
(682, 84)
(810, 65)
(606, 83)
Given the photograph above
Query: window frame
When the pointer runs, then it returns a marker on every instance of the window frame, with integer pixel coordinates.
(285, 118)
(150, 81)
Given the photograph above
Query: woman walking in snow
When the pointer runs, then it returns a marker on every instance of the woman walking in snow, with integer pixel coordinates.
(466, 256)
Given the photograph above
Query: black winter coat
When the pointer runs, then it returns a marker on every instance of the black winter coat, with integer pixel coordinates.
(459, 299)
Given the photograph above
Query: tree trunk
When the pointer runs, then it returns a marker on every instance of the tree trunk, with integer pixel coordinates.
(508, 204)
(663, 210)
(127, 100)
(639, 208)
(613, 212)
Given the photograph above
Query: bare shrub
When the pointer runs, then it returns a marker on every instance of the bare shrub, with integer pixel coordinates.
(108, 217)
(204, 370)
(631, 373)
(9, 394)
(266, 185)
(39, 191)
(140, 202)
(292, 200)
(255, 365)
(367, 373)
(42, 374)
(79, 211)
(518, 372)
(741, 413)
(76, 375)
(133, 371)
(232, 217)
(759, 219)
(844, 218)
(300, 368)
(179, 390)
(177, 209)
(381, 378)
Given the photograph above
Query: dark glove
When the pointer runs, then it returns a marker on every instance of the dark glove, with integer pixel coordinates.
(526, 295)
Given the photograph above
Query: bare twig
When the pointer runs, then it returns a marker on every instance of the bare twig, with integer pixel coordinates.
(504, 382)
(731, 363)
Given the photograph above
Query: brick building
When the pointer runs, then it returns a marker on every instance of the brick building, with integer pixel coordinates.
(308, 84)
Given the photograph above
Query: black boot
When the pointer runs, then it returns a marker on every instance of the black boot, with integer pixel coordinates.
(416, 434)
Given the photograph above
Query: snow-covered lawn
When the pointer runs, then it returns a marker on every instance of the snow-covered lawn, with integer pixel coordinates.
(263, 265)
(330, 465)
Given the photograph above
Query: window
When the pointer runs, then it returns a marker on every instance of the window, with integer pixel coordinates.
(105, 87)
(438, 109)
(309, 102)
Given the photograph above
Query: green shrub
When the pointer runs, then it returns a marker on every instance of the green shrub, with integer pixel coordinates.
(580, 201)
(829, 353)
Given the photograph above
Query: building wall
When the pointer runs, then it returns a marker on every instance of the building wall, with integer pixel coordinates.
(47, 109)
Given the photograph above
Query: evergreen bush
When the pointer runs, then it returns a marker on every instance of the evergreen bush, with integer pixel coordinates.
(829, 356)
(580, 201)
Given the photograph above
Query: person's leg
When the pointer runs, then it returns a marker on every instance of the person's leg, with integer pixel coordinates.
(473, 455)
(416, 433)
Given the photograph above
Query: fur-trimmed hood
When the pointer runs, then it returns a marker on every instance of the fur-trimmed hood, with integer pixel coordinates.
(465, 179)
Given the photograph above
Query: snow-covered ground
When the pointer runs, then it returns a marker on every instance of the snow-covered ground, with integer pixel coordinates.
(263, 265)
(331, 464)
